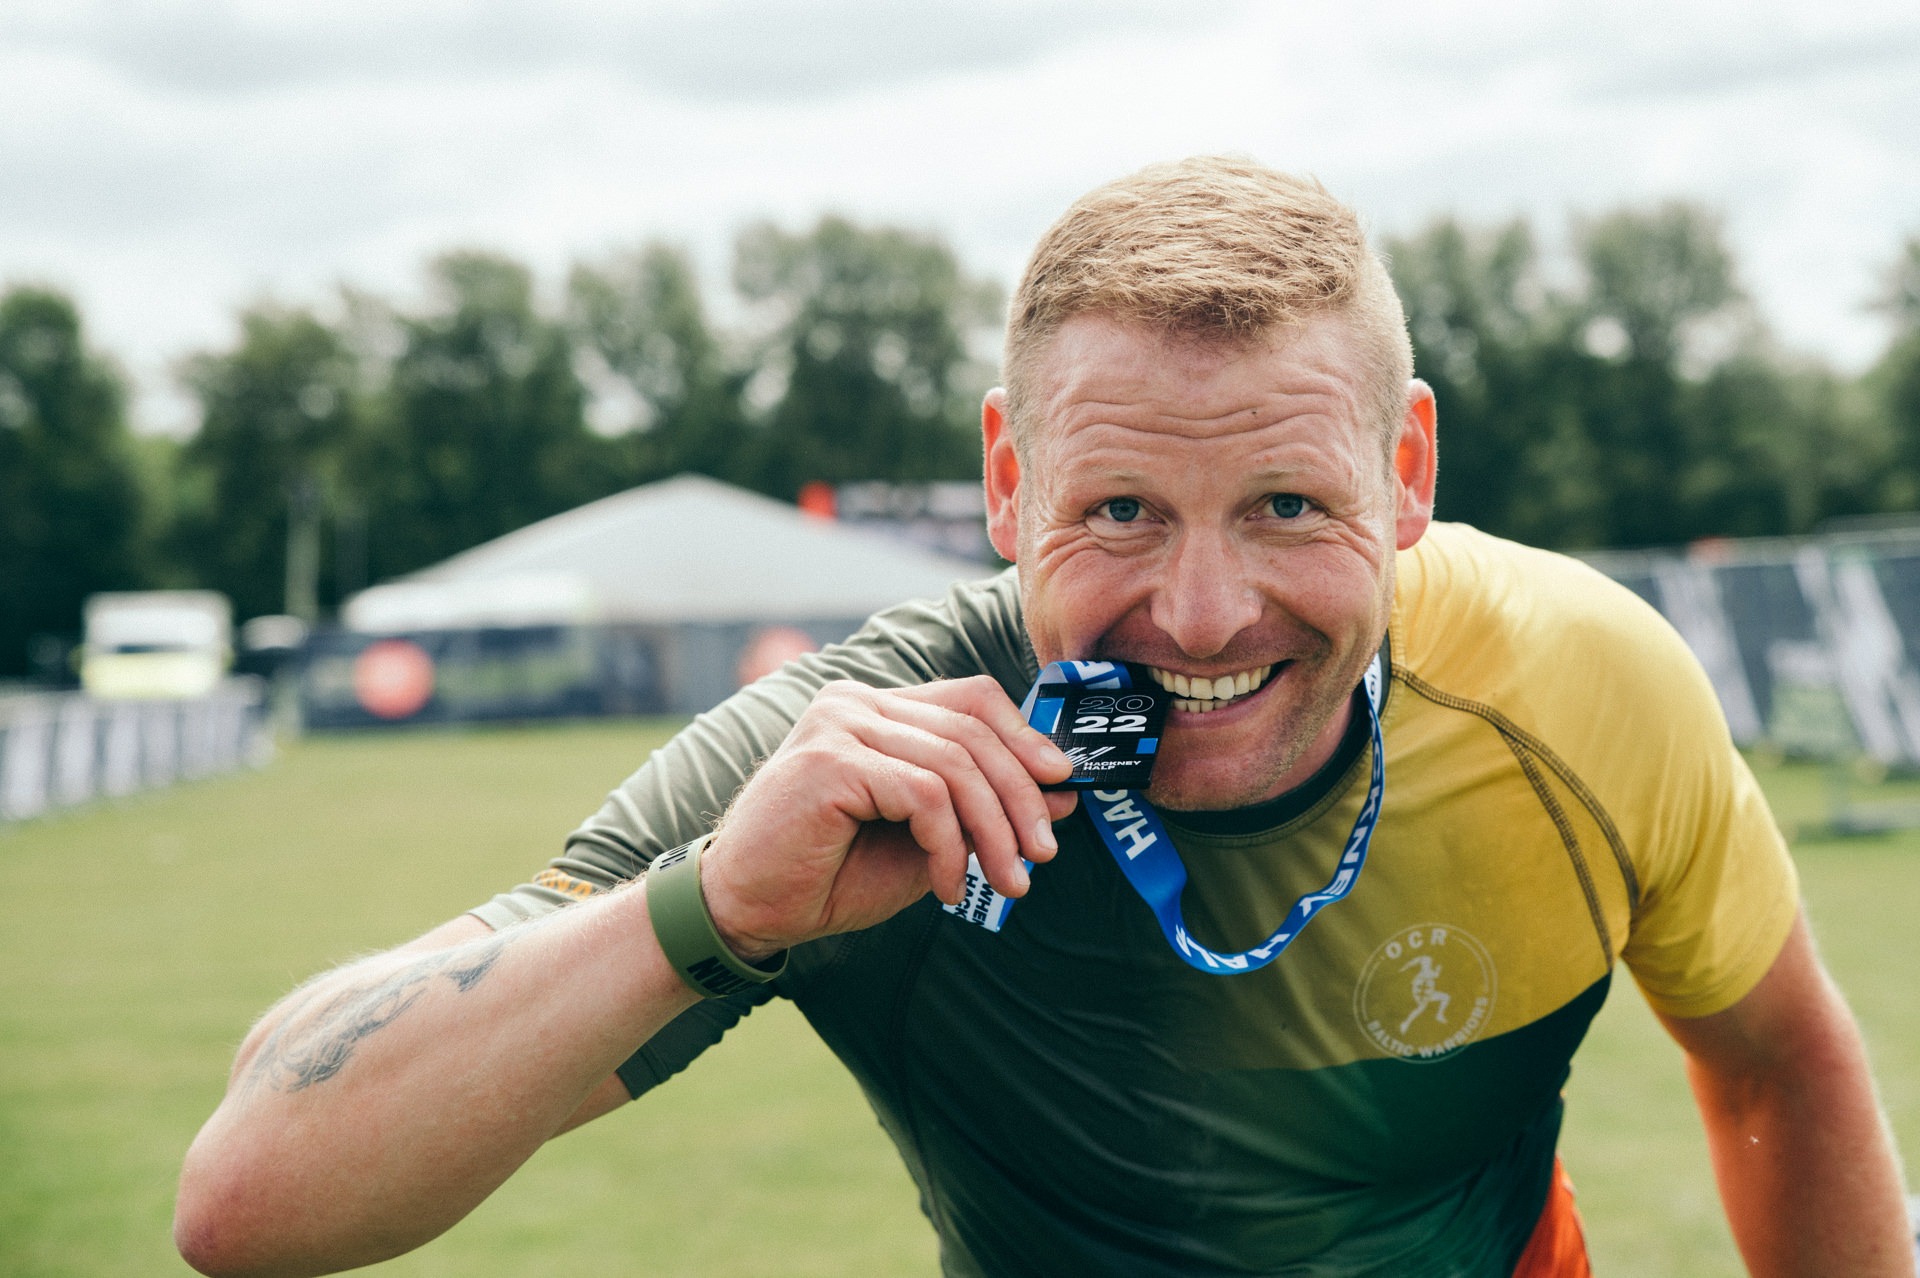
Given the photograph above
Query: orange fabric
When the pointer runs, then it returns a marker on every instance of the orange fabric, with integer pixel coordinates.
(1557, 1249)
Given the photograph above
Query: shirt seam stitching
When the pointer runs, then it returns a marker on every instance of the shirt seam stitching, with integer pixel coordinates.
(1572, 780)
(1569, 840)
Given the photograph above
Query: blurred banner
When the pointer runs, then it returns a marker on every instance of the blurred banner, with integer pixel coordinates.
(479, 674)
(355, 680)
(1812, 644)
(949, 516)
(61, 749)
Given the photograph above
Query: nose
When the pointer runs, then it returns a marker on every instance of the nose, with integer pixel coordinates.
(1205, 595)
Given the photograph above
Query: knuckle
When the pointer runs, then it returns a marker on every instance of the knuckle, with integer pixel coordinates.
(954, 756)
(987, 692)
(838, 707)
(842, 694)
(926, 789)
(967, 730)
(813, 756)
(966, 689)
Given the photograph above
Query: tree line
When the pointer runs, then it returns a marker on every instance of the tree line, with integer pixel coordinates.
(1638, 401)
(341, 446)
(1645, 403)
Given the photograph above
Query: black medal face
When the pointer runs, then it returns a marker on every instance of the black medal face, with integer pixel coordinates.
(1112, 735)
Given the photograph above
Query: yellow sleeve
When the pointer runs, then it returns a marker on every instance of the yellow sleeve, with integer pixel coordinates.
(1718, 890)
(1599, 679)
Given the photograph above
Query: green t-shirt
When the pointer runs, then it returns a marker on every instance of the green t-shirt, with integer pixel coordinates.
(1071, 1097)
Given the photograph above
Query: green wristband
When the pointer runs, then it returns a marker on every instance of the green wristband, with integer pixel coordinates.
(686, 932)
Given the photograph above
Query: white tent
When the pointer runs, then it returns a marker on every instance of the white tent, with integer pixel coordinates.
(687, 549)
(660, 590)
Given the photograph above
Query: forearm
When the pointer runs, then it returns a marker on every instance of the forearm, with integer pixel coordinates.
(1805, 1163)
(1807, 1170)
(376, 1106)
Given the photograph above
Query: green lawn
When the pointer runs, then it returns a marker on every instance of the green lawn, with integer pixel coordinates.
(147, 933)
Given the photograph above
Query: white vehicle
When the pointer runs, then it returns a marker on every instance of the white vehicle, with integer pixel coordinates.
(156, 644)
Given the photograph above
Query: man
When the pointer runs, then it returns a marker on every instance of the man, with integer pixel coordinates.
(1210, 460)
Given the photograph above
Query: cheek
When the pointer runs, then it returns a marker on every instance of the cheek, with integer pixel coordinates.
(1076, 591)
(1331, 587)
(1066, 553)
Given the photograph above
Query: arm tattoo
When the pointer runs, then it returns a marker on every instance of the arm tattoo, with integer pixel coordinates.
(475, 971)
(311, 1047)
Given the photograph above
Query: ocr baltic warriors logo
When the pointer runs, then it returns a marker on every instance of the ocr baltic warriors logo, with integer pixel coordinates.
(1426, 992)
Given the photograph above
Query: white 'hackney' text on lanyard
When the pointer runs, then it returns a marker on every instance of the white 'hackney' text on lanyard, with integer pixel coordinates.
(1133, 832)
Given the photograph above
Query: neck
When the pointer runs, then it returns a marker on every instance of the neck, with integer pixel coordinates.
(1320, 751)
(1293, 801)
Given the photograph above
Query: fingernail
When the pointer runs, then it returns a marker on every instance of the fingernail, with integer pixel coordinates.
(1020, 879)
(1043, 835)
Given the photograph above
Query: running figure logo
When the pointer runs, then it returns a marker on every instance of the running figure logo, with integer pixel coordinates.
(1426, 992)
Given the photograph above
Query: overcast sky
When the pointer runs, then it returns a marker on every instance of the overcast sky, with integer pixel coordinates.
(169, 162)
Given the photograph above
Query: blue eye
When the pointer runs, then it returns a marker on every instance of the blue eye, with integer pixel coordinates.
(1123, 510)
(1288, 505)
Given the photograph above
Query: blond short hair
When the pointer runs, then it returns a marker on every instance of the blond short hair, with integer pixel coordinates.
(1214, 248)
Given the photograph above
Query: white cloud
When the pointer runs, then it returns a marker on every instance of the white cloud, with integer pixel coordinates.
(746, 50)
(169, 162)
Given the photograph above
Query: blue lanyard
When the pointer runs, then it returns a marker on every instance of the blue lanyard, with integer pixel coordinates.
(1134, 834)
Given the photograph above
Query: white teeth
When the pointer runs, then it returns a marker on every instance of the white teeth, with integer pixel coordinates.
(1197, 694)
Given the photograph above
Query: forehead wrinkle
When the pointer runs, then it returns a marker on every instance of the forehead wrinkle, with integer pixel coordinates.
(1138, 449)
(1102, 384)
(1200, 366)
(1242, 414)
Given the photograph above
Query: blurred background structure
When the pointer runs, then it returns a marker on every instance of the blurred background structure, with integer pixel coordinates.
(1811, 643)
(646, 602)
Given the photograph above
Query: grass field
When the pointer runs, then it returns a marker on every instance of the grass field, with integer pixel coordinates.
(145, 935)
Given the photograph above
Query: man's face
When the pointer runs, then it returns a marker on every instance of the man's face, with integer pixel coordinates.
(1217, 512)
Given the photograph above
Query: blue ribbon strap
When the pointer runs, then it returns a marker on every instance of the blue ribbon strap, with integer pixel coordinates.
(1133, 833)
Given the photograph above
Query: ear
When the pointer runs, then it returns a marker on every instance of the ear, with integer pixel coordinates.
(1002, 463)
(1415, 465)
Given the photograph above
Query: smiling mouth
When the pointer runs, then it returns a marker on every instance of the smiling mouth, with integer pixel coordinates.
(1197, 694)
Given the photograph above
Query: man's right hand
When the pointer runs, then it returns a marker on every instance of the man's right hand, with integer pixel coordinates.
(876, 797)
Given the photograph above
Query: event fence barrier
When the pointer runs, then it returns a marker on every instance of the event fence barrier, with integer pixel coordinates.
(1812, 644)
(58, 749)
